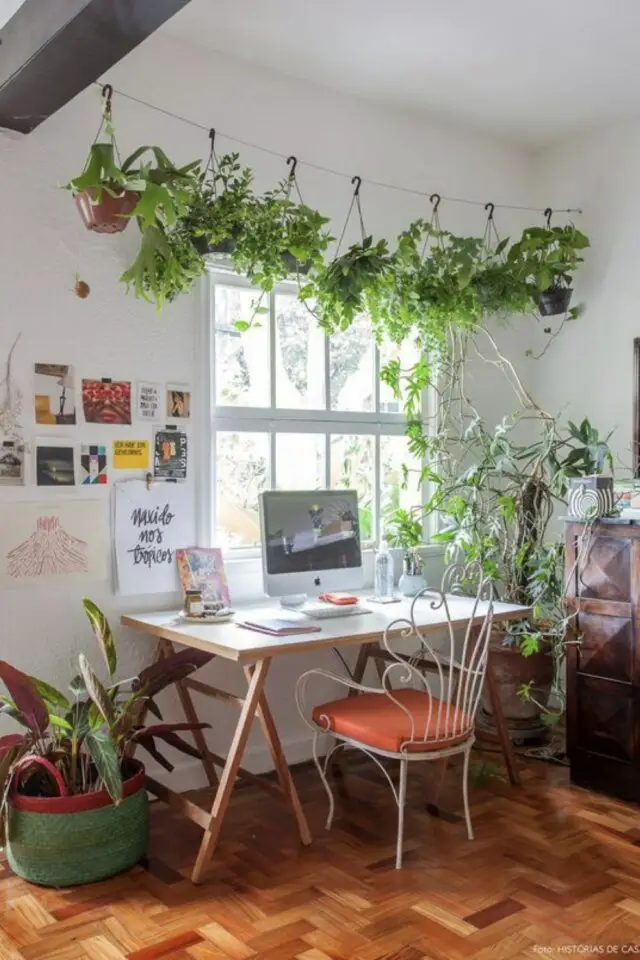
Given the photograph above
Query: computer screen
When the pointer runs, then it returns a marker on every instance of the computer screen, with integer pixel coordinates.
(306, 531)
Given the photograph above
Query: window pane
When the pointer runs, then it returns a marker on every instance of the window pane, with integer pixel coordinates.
(352, 368)
(242, 364)
(300, 461)
(299, 359)
(408, 354)
(352, 466)
(394, 454)
(242, 468)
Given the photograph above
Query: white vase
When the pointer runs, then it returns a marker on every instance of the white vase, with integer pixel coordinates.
(409, 584)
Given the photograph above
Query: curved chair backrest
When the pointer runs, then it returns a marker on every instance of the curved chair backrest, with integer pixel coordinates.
(452, 675)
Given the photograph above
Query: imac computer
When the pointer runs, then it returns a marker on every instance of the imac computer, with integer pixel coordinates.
(310, 542)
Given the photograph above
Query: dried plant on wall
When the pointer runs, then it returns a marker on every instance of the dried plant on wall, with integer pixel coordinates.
(10, 401)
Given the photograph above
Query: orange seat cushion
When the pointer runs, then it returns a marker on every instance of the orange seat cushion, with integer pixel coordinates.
(375, 720)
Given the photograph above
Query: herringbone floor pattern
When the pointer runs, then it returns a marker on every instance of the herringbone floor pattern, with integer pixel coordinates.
(554, 871)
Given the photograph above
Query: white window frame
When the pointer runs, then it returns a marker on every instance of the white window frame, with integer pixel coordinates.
(270, 419)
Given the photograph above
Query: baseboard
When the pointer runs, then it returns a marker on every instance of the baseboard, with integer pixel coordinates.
(189, 775)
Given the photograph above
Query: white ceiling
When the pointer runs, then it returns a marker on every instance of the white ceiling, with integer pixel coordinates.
(530, 70)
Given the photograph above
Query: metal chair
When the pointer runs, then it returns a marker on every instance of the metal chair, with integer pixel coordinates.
(413, 721)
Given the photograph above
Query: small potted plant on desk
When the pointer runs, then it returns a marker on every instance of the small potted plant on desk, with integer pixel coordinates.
(73, 800)
(405, 532)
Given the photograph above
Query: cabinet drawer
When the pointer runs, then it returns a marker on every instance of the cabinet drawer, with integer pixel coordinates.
(603, 718)
(605, 573)
(606, 648)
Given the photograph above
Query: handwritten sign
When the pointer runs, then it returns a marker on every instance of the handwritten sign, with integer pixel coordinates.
(170, 455)
(150, 525)
(148, 407)
(130, 454)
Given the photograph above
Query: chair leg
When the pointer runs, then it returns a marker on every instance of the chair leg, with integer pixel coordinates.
(322, 765)
(402, 796)
(465, 792)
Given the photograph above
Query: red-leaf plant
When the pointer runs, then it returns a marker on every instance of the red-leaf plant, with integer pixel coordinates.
(82, 743)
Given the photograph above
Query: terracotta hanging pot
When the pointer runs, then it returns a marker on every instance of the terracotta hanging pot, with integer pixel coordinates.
(109, 214)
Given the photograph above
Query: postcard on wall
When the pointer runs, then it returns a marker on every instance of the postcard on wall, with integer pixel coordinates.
(170, 455)
(148, 401)
(55, 465)
(130, 454)
(54, 394)
(202, 568)
(149, 526)
(11, 462)
(61, 540)
(93, 464)
(178, 401)
(106, 401)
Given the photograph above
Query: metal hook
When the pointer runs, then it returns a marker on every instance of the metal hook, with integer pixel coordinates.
(435, 199)
(107, 94)
(293, 163)
(358, 182)
(490, 207)
(212, 136)
(548, 212)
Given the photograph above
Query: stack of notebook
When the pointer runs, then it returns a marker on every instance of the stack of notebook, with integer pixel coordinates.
(285, 624)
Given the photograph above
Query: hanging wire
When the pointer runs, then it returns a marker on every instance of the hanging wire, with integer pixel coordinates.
(330, 170)
(292, 180)
(491, 236)
(548, 214)
(212, 162)
(355, 202)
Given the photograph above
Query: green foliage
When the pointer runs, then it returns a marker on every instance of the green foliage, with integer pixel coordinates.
(404, 530)
(83, 740)
(547, 257)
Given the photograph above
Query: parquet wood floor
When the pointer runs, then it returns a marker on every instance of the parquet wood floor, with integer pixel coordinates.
(554, 871)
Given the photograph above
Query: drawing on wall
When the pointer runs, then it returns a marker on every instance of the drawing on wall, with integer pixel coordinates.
(48, 551)
(106, 401)
(149, 526)
(11, 462)
(66, 539)
(170, 455)
(93, 463)
(55, 466)
(148, 407)
(178, 402)
(130, 454)
(54, 394)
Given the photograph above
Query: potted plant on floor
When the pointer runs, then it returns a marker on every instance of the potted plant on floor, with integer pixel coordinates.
(73, 803)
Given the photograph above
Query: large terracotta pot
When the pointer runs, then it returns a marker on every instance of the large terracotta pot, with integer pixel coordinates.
(511, 670)
(109, 214)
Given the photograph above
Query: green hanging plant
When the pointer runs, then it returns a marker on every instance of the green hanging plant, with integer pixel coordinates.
(545, 260)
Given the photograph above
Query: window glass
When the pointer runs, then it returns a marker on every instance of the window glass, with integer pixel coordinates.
(300, 461)
(242, 472)
(241, 359)
(352, 467)
(408, 354)
(352, 369)
(299, 356)
(396, 490)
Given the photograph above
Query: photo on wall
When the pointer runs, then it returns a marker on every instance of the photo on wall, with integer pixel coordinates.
(178, 402)
(170, 455)
(55, 466)
(54, 394)
(11, 463)
(93, 464)
(107, 401)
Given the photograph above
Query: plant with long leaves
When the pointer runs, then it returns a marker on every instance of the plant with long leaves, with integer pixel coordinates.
(80, 742)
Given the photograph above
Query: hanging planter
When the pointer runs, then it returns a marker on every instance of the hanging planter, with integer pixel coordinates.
(62, 841)
(106, 211)
(554, 301)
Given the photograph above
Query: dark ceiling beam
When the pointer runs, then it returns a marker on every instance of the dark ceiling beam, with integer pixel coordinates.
(50, 50)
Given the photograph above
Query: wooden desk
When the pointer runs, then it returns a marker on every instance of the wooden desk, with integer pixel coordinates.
(254, 653)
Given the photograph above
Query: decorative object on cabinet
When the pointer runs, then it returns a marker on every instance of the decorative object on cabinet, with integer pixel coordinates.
(591, 497)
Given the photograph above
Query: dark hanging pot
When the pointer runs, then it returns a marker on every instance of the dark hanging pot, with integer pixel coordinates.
(202, 245)
(293, 265)
(554, 301)
(108, 214)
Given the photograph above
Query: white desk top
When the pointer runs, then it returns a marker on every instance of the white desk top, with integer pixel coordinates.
(233, 642)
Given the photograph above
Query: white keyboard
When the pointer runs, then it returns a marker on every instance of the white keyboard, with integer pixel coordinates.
(326, 611)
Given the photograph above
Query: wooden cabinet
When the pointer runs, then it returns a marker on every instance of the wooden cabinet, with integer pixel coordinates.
(603, 667)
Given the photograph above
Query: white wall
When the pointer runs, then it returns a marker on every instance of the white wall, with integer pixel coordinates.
(589, 369)
(43, 245)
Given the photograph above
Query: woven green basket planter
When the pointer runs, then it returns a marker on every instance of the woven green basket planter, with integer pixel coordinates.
(65, 841)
